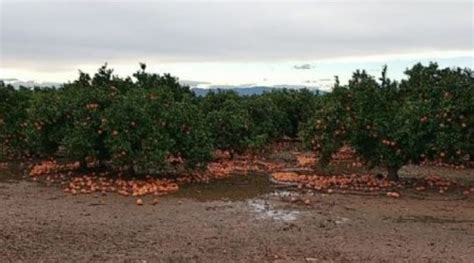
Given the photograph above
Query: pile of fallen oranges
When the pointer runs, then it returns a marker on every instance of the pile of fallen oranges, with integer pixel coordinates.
(435, 181)
(135, 187)
(440, 163)
(345, 153)
(225, 168)
(306, 160)
(364, 182)
(102, 183)
(52, 167)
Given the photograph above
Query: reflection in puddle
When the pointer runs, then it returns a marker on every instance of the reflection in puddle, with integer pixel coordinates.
(284, 193)
(248, 188)
(236, 188)
(265, 210)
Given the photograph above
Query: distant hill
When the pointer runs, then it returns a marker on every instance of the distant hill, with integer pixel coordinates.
(247, 91)
(241, 90)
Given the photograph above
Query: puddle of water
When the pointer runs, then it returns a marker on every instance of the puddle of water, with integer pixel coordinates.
(284, 193)
(250, 188)
(236, 188)
(265, 210)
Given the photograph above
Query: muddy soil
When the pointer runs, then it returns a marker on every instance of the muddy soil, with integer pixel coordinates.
(242, 219)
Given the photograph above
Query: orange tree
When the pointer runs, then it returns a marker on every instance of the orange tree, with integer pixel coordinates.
(13, 121)
(185, 124)
(175, 110)
(228, 121)
(86, 101)
(328, 129)
(120, 123)
(268, 121)
(146, 126)
(243, 123)
(295, 108)
(47, 121)
(427, 116)
(442, 102)
(132, 133)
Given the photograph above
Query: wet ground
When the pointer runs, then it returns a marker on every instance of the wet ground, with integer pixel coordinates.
(241, 219)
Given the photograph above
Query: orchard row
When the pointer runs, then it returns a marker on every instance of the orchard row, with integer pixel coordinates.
(151, 124)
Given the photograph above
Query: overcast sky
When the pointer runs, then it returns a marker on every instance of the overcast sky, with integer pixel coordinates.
(231, 43)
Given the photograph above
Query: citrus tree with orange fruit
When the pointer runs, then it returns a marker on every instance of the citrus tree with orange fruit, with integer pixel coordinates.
(228, 121)
(391, 124)
(13, 121)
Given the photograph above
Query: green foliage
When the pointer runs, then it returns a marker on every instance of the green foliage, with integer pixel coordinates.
(327, 130)
(131, 132)
(46, 122)
(85, 107)
(124, 124)
(13, 121)
(296, 108)
(187, 128)
(392, 124)
(267, 121)
(167, 83)
(240, 123)
(441, 110)
(141, 123)
(228, 121)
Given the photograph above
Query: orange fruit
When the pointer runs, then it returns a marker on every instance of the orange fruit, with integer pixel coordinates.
(393, 194)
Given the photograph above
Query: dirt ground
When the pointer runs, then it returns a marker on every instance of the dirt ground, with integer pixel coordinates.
(236, 220)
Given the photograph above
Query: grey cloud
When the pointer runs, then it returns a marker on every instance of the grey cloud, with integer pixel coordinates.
(45, 35)
(247, 84)
(193, 83)
(302, 66)
(319, 80)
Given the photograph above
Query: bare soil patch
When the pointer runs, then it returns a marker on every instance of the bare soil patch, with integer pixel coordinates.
(243, 219)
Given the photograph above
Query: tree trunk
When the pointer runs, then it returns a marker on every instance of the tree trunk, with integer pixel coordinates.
(393, 173)
(131, 171)
(83, 165)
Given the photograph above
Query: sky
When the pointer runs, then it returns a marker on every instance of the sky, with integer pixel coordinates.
(232, 43)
